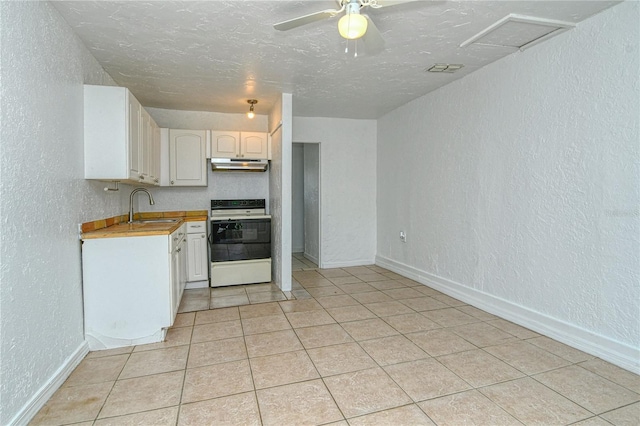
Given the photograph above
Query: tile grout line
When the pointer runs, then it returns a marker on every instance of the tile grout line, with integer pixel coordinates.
(253, 382)
(568, 398)
(306, 351)
(113, 386)
(184, 375)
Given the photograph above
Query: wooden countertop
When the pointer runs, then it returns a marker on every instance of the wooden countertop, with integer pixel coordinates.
(133, 230)
(145, 229)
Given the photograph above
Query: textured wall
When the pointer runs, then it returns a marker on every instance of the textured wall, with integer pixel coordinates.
(280, 190)
(521, 180)
(348, 182)
(220, 185)
(297, 198)
(43, 197)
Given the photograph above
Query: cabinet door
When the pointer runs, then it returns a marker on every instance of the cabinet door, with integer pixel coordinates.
(155, 152)
(175, 283)
(106, 133)
(182, 252)
(197, 257)
(253, 145)
(135, 172)
(225, 144)
(187, 158)
(146, 154)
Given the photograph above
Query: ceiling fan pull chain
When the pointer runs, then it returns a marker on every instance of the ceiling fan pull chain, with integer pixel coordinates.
(355, 48)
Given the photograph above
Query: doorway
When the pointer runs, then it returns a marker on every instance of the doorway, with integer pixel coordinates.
(305, 206)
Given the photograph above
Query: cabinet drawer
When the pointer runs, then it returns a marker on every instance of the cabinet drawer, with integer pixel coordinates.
(196, 227)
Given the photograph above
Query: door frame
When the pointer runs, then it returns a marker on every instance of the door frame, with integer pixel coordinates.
(320, 203)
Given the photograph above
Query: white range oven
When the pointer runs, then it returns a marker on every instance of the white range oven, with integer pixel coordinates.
(240, 242)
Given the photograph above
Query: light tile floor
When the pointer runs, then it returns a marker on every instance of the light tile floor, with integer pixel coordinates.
(363, 347)
(299, 262)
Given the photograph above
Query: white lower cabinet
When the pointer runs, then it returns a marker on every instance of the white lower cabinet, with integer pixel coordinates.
(197, 255)
(178, 271)
(132, 288)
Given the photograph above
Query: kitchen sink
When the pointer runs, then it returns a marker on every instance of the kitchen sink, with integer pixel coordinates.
(156, 221)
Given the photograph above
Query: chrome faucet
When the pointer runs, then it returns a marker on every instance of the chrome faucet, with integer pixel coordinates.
(134, 192)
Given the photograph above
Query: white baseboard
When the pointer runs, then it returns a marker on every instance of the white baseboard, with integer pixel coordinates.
(196, 284)
(617, 353)
(361, 262)
(297, 250)
(37, 401)
(307, 256)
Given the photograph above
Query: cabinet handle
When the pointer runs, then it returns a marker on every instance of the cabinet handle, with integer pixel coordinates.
(171, 182)
(202, 236)
(141, 177)
(156, 180)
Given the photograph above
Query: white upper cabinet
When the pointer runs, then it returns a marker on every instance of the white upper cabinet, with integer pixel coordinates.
(187, 157)
(155, 152)
(242, 145)
(118, 137)
(253, 145)
(225, 144)
(150, 152)
(146, 154)
(135, 143)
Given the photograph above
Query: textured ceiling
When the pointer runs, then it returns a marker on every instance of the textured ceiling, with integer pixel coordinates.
(214, 55)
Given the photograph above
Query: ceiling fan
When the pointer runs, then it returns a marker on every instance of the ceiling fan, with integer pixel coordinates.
(352, 25)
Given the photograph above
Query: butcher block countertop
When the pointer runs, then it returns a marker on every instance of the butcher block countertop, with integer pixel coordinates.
(117, 227)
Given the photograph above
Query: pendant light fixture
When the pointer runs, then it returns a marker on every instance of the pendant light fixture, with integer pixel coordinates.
(251, 102)
(352, 25)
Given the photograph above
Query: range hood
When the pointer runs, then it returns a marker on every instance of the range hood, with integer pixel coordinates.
(238, 165)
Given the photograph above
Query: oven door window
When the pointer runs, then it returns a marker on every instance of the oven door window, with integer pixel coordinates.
(240, 239)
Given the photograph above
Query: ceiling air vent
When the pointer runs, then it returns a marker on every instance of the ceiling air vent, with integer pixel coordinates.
(449, 68)
(518, 31)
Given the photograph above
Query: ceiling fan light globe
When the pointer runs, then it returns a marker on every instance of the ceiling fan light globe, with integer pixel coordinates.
(251, 114)
(352, 26)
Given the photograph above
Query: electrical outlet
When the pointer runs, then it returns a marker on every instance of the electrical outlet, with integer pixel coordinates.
(403, 236)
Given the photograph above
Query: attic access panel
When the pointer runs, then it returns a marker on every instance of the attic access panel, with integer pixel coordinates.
(518, 31)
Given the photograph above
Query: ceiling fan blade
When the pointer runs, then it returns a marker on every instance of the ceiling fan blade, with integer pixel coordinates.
(372, 39)
(377, 4)
(306, 19)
